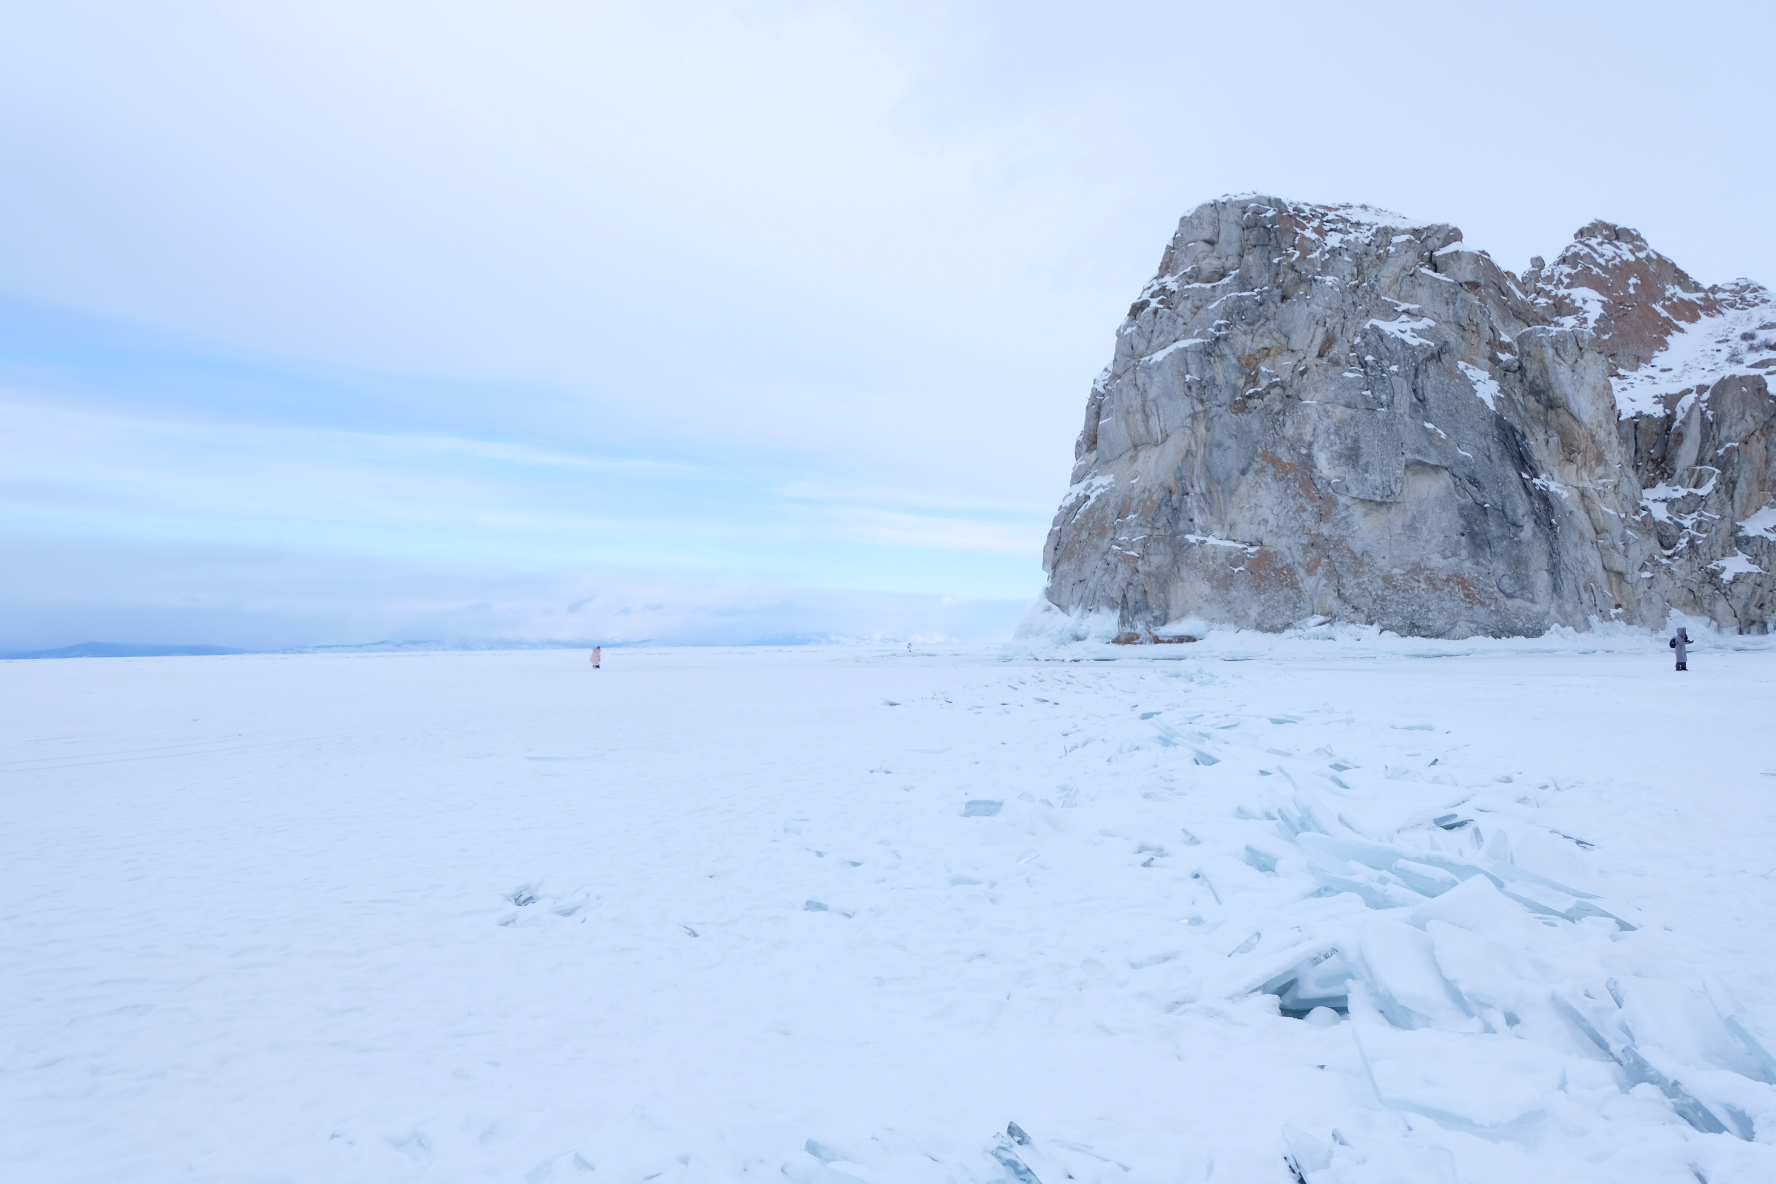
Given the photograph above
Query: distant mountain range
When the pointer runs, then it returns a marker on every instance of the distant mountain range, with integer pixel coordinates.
(113, 649)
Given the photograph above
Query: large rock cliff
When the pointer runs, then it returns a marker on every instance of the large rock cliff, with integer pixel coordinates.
(1331, 411)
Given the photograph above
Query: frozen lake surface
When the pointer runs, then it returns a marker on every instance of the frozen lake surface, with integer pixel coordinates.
(834, 915)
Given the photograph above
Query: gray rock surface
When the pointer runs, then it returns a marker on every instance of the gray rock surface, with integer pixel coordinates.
(1330, 411)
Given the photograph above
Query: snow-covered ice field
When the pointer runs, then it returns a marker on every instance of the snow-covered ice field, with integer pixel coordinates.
(833, 915)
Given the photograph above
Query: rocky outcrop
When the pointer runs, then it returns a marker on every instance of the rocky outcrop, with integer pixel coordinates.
(1330, 411)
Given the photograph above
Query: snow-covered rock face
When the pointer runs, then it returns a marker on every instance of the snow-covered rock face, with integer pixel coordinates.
(1319, 410)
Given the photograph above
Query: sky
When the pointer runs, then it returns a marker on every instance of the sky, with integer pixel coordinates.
(328, 323)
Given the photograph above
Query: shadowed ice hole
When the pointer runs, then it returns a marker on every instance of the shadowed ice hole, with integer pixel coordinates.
(1321, 981)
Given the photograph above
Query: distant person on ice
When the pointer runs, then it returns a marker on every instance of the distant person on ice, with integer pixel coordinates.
(1681, 643)
(598, 656)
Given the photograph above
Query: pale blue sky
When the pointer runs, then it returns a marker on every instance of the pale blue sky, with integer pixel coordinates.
(327, 322)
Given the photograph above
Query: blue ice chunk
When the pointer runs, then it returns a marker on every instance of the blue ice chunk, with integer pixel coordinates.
(1260, 860)
(1423, 878)
(1687, 1105)
(1014, 1166)
(814, 906)
(981, 808)
(1757, 1046)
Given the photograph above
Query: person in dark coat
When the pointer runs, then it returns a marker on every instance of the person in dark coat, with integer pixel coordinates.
(1681, 643)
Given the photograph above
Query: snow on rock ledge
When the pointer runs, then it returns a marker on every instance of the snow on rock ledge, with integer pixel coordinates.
(1396, 431)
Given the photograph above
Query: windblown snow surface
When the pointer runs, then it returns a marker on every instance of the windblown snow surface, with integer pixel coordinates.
(1354, 909)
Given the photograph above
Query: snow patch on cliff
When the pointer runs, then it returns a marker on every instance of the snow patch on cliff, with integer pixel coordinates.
(1761, 525)
(1701, 354)
(1406, 329)
(1485, 386)
(1736, 564)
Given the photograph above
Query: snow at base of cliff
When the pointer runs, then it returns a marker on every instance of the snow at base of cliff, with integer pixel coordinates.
(1339, 908)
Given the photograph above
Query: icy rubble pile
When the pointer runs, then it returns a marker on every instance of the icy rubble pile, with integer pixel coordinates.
(1473, 985)
(1430, 929)
(1332, 411)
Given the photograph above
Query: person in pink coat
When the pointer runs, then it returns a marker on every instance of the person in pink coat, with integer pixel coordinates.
(597, 656)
